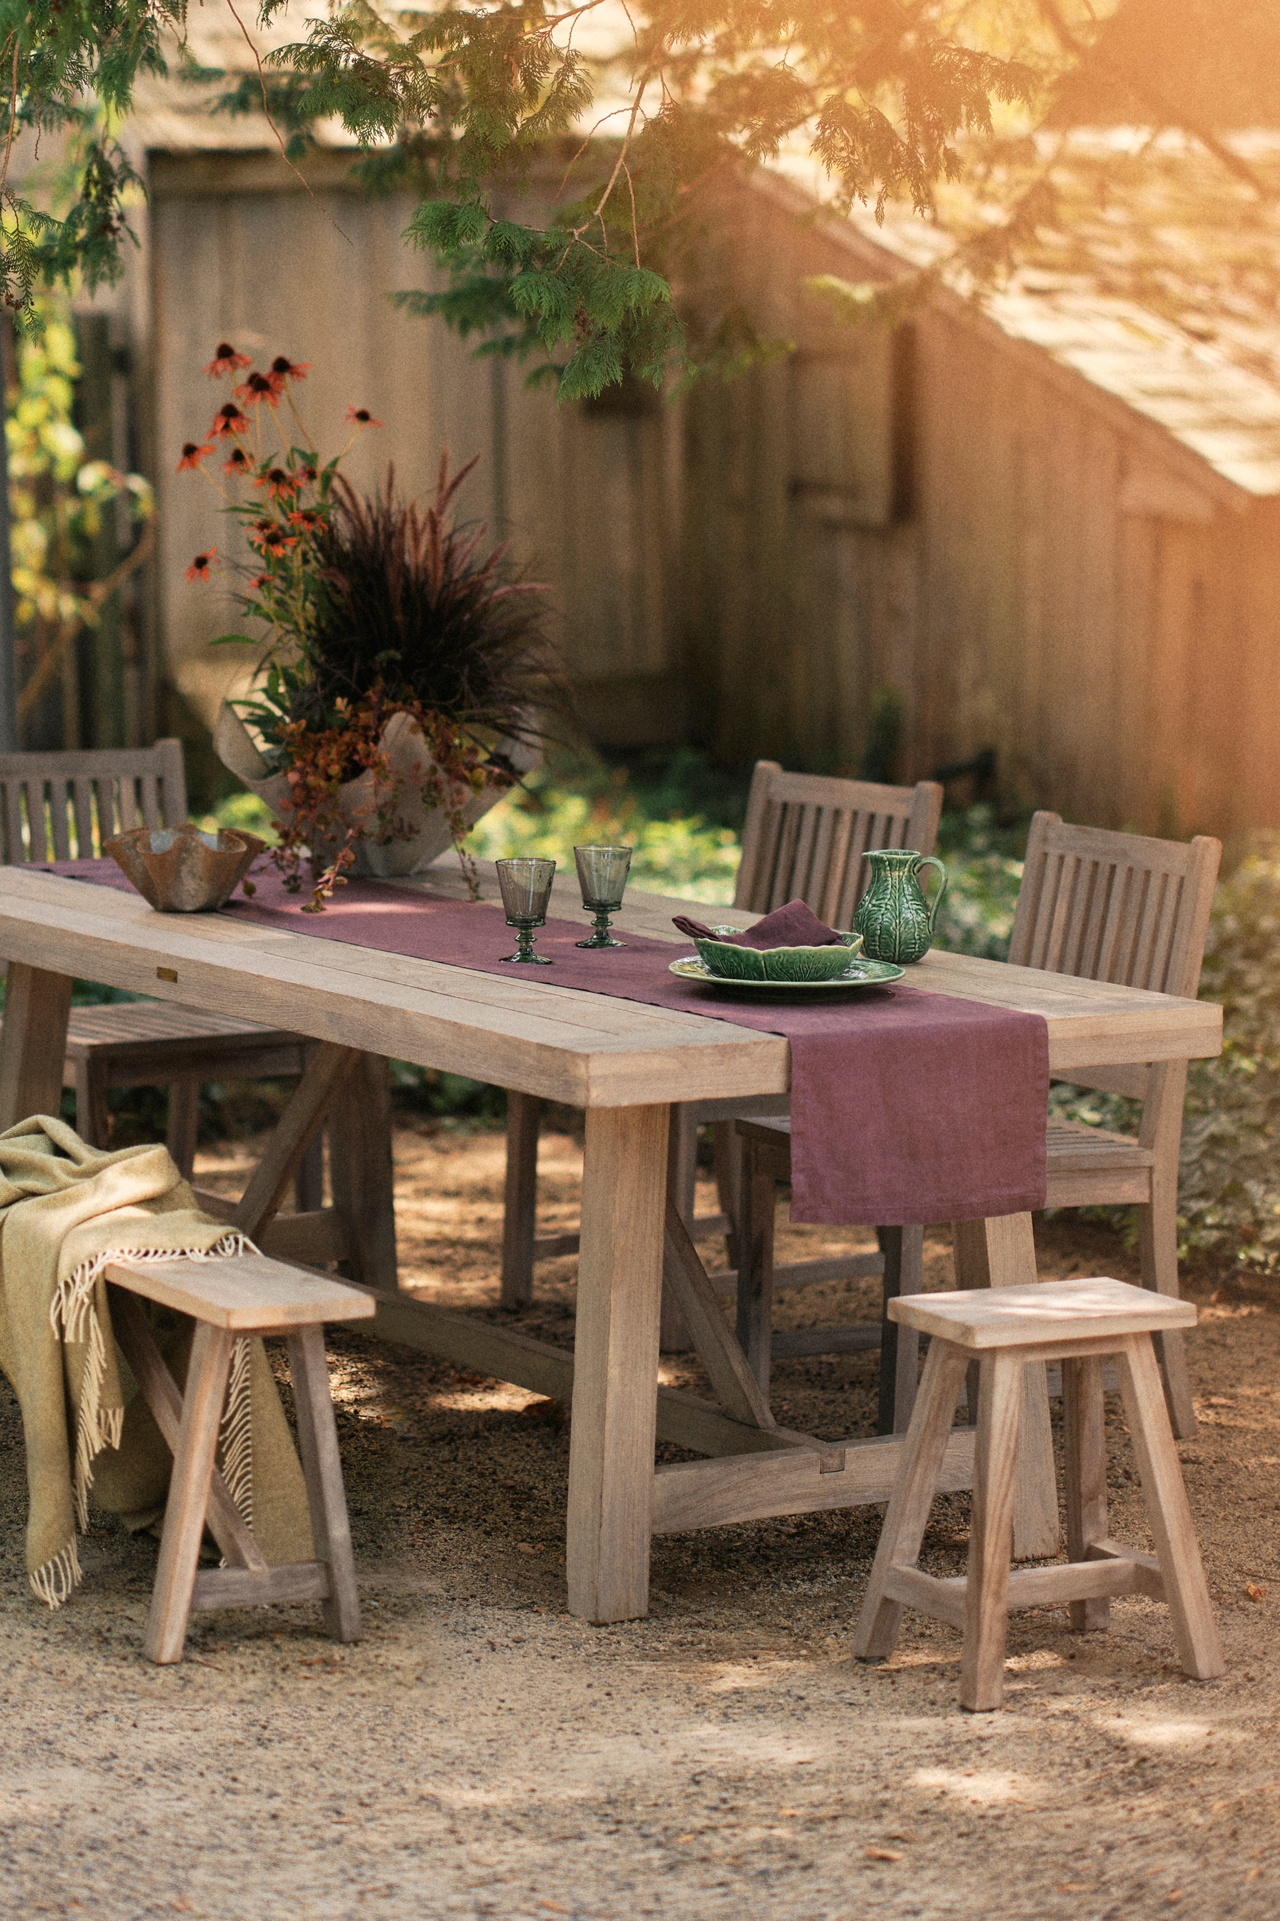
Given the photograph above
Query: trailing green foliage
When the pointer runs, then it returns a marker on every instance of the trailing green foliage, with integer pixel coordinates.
(68, 67)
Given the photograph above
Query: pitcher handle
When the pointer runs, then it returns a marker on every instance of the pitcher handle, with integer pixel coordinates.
(932, 906)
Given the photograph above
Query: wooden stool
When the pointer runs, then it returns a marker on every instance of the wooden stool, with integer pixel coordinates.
(229, 1299)
(1079, 1323)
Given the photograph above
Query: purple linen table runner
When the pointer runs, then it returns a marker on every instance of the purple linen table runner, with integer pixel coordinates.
(907, 1107)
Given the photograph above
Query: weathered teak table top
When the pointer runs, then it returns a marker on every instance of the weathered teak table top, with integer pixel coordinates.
(624, 1063)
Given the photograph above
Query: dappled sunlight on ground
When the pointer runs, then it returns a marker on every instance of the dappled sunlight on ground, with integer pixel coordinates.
(482, 1753)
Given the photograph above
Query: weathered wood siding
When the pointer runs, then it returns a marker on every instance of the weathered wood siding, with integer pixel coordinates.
(240, 252)
(1045, 572)
(946, 512)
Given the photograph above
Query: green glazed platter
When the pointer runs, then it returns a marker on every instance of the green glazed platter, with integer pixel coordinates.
(860, 973)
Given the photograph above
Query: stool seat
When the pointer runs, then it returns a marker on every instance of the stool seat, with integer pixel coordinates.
(1003, 1331)
(987, 1317)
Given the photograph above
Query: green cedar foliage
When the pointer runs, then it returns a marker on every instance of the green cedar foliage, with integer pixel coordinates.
(67, 73)
(462, 103)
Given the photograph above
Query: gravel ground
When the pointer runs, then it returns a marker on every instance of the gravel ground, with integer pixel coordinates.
(482, 1753)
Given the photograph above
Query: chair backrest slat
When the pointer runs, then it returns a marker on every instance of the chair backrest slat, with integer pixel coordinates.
(82, 808)
(63, 806)
(806, 837)
(14, 836)
(59, 825)
(1115, 907)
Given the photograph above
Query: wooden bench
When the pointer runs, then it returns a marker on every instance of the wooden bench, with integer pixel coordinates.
(229, 1299)
(1006, 1329)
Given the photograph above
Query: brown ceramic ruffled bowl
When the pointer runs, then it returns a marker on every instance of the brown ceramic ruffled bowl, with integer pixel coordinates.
(183, 870)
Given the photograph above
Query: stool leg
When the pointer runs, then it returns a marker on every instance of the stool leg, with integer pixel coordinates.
(1086, 1477)
(322, 1471)
(524, 1114)
(184, 1513)
(1168, 1514)
(986, 1592)
(1001, 1252)
(908, 1512)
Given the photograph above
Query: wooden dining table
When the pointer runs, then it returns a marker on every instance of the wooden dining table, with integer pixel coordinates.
(625, 1064)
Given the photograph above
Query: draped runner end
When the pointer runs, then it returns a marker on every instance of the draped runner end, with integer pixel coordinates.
(907, 1106)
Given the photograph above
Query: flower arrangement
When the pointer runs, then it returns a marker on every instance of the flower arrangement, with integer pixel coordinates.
(401, 663)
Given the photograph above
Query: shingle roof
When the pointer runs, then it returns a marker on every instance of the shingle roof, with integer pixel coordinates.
(1157, 279)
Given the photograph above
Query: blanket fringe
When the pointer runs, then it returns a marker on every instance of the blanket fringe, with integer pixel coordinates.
(73, 1319)
(58, 1579)
(235, 1441)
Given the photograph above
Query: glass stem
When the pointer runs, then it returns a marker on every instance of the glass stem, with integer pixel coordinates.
(524, 940)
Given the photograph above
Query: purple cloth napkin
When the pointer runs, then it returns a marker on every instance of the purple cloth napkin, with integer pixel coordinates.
(906, 1106)
(795, 925)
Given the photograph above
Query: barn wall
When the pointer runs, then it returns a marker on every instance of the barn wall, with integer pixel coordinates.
(946, 514)
(1056, 582)
(239, 251)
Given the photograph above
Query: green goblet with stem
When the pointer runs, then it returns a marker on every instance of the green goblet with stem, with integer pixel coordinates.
(602, 871)
(526, 890)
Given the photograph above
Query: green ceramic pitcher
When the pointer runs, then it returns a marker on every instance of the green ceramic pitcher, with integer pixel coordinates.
(893, 916)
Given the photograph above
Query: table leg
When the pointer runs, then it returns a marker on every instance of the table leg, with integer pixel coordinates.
(33, 1044)
(616, 1362)
(1001, 1253)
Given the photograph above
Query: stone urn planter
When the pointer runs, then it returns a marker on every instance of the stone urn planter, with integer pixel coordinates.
(410, 759)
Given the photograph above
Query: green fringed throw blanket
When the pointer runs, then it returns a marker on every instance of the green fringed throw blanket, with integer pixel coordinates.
(66, 1211)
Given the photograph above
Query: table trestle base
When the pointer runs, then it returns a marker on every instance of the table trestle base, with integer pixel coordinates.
(774, 1470)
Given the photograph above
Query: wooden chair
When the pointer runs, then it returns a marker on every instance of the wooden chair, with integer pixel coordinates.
(1102, 906)
(765, 1145)
(1005, 1329)
(232, 1299)
(1120, 907)
(805, 837)
(62, 807)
